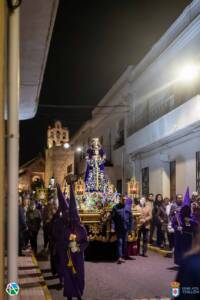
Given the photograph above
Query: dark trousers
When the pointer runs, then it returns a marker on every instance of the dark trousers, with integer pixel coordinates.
(21, 242)
(46, 235)
(33, 240)
(53, 258)
(160, 236)
(26, 238)
(170, 236)
(144, 234)
(122, 239)
(152, 230)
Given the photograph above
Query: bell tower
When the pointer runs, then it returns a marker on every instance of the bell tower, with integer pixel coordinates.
(57, 135)
(59, 155)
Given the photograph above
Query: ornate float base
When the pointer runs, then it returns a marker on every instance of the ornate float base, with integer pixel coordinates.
(98, 225)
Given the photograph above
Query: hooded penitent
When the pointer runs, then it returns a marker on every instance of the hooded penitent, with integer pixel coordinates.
(57, 229)
(186, 200)
(73, 212)
(186, 205)
(76, 242)
(129, 202)
(184, 229)
(63, 204)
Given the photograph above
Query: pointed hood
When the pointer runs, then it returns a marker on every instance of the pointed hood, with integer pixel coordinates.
(63, 205)
(186, 200)
(129, 202)
(73, 211)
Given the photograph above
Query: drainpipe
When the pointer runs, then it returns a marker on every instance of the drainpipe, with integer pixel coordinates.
(13, 143)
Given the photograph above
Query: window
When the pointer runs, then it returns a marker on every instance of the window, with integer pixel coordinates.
(145, 181)
(69, 169)
(120, 135)
(119, 186)
(198, 171)
(58, 134)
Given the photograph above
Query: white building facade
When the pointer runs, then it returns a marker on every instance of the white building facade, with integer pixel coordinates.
(149, 121)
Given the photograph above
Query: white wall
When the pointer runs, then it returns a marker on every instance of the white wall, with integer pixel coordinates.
(183, 151)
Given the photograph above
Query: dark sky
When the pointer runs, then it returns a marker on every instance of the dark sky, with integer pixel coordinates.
(93, 42)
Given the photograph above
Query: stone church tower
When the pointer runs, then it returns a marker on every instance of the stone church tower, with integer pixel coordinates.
(59, 158)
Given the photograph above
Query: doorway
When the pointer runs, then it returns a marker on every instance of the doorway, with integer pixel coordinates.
(145, 181)
(119, 186)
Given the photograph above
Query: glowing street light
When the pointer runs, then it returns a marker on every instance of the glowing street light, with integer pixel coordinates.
(79, 149)
(66, 145)
(189, 72)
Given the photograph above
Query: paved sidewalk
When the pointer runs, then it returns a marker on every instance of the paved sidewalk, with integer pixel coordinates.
(31, 282)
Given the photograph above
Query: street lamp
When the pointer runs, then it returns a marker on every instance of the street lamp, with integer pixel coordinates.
(66, 145)
(189, 72)
(79, 149)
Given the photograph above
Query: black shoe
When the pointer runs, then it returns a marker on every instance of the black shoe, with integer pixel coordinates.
(119, 261)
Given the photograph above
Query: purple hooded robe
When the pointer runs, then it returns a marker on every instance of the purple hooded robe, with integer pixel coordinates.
(57, 233)
(74, 261)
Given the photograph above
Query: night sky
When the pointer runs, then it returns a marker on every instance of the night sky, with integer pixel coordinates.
(93, 42)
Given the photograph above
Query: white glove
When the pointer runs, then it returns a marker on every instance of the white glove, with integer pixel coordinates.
(74, 246)
(179, 228)
(170, 228)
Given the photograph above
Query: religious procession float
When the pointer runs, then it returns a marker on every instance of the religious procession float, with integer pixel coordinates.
(96, 196)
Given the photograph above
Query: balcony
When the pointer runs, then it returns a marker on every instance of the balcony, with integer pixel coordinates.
(181, 121)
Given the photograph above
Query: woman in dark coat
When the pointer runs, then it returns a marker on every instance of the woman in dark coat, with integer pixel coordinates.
(33, 219)
(160, 214)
